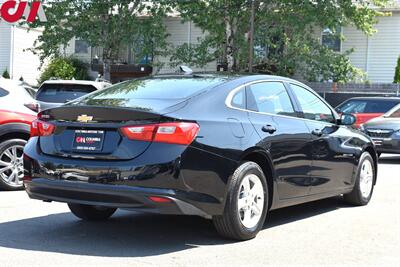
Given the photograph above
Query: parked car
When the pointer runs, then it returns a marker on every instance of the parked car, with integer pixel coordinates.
(54, 93)
(366, 108)
(15, 120)
(228, 148)
(385, 131)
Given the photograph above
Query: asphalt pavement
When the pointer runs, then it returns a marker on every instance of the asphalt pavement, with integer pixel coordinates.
(321, 233)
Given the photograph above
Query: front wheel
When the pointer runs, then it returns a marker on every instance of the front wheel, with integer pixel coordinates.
(246, 205)
(91, 213)
(364, 184)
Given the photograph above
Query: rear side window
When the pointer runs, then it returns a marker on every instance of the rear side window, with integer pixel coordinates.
(270, 97)
(239, 99)
(61, 93)
(3, 92)
(367, 106)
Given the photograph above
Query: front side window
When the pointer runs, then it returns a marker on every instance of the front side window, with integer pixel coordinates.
(313, 108)
(331, 39)
(270, 97)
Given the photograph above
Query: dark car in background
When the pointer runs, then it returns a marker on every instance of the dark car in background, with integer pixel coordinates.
(54, 93)
(227, 148)
(366, 108)
(385, 131)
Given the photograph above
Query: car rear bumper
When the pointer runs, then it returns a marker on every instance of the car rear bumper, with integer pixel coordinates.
(195, 180)
(117, 196)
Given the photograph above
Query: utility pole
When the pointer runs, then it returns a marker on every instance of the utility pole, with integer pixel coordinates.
(251, 36)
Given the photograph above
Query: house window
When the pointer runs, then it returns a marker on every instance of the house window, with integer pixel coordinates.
(81, 47)
(331, 38)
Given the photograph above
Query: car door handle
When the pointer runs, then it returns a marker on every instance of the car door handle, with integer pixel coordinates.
(317, 132)
(269, 129)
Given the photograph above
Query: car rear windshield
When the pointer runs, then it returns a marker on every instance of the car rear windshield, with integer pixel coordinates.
(61, 93)
(156, 88)
(367, 106)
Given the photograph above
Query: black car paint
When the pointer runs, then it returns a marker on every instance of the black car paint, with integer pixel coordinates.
(300, 166)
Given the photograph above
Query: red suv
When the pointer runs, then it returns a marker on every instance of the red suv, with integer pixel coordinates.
(367, 108)
(15, 119)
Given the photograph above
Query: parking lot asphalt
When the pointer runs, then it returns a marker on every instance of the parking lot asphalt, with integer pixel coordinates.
(327, 232)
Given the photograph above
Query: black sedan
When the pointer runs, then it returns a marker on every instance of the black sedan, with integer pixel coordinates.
(385, 131)
(228, 148)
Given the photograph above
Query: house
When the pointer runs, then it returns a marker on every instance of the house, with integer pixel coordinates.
(377, 54)
(15, 56)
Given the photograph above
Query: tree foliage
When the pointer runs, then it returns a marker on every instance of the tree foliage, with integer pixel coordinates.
(65, 69)
(110, 24)
(397, 72)
(286, 34)
(5, 74)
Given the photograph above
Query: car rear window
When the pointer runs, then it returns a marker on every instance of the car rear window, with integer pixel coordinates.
(61, 93)
(3, 92)
(156, 88)
(367, 106)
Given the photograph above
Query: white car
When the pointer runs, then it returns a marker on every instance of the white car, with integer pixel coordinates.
(54, 93)
(17, 96)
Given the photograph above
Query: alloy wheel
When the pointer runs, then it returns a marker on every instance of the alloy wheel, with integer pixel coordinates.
(11, 166)
(250, 201)
(366, 179)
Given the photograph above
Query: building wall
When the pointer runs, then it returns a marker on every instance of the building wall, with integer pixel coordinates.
(5, 46)
(180, 33)
(377, 54)
(24, 63)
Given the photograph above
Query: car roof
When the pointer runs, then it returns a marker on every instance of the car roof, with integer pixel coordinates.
(97, 85)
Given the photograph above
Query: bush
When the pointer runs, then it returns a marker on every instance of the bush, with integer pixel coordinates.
(397, 72)
(6, 74)
(65, 69)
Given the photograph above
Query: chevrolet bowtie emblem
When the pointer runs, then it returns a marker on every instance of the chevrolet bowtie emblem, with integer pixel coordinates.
(85, 118)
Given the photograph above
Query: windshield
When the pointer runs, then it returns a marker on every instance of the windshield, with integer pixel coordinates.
(393, 113)
(367, 106)
(61, 93)
(125, 94)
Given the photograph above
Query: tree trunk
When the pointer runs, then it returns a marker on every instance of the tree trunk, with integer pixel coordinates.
(107, 70)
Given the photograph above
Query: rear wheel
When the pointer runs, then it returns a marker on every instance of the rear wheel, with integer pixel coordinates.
(364, 184)
(246, 205)
(91, 213)
(11, 164)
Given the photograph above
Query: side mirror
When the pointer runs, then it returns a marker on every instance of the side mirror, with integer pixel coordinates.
(347, 119)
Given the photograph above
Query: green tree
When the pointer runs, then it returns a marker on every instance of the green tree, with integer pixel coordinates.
(284, 36)
(6, 74)
(64, 68)
(397, 72)
(109, 24)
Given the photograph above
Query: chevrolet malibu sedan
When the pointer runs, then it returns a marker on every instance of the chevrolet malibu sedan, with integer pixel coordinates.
(227, 148)
(385, 131)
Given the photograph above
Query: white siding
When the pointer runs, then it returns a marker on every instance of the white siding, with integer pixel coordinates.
(24, 63)
(376, 55)
(5, 46)
(180, 33)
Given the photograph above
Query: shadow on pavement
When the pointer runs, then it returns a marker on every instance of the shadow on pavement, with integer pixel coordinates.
(389, 159)
(129, 234)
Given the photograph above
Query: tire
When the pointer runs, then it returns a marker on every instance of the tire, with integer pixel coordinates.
(91, 213)
(11, 164)
(364, 183)
(234, 224)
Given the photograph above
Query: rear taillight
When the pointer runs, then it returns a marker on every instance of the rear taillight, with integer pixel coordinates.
(41, 128)
(182, 133)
